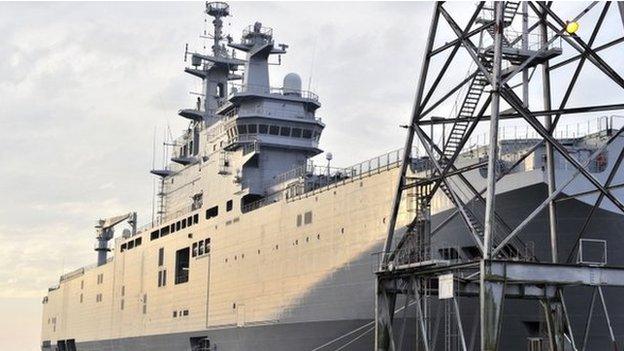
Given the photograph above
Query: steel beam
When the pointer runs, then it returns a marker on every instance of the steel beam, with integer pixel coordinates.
(561, 111)
(576, 57)
(550, 156)
(491, 308)
(396, 201)
(537, 273)
(490, 196)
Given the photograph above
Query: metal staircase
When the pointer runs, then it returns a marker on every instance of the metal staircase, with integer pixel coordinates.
(510, 11)
(467, 110)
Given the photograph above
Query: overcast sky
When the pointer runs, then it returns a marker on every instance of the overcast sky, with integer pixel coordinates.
(84, 87)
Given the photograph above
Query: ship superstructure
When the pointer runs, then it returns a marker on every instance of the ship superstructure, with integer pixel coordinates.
(256, 248)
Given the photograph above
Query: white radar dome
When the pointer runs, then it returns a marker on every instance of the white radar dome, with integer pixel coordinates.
(292, 84)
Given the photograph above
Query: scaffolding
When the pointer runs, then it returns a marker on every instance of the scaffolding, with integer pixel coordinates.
(409, 278)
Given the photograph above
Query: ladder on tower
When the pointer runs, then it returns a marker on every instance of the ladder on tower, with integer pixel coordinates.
(466, 112)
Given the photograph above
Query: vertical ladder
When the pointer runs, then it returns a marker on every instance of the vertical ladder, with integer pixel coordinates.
(161, 201)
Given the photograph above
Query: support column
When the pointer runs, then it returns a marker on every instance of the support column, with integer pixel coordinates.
(550, 158)
(490, 215)
(384, 314)
(491, 308)
(553, 314)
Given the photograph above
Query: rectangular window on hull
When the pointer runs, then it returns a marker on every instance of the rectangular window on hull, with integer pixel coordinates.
(212, 212)
(182, 266)
(307, 217)
(161, 256)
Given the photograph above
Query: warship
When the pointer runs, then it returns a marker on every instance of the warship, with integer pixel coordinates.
(255, 247)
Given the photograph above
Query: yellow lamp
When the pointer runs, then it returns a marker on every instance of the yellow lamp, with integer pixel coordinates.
(572, 27)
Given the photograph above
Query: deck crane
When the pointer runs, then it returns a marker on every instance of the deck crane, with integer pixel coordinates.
(104, 230)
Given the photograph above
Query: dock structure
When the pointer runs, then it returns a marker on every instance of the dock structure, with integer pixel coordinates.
(506, 63)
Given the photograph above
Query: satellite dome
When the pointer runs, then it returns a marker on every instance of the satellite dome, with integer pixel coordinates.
(292, 84)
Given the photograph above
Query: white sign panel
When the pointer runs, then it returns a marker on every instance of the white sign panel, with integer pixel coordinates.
(445, 286)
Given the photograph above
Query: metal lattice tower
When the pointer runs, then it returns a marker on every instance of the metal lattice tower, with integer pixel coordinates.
(409, 278)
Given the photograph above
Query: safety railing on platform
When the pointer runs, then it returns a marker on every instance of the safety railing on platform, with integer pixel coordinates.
(263, 89)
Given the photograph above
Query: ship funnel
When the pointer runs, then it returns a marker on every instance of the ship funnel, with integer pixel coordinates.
(292, 84)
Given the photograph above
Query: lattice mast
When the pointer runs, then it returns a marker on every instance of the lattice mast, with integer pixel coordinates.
(407, 270)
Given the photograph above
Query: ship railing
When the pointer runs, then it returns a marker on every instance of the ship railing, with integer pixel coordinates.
(327, 174)
(599, 126)
(253, 29)
(264, 89)
(275, 112)
(533, 40)
(160, 221)
(75, 273)
(261, 203)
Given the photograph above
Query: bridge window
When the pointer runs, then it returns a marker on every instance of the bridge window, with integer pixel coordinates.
(274, 130)
(263, 128)
(285, 131)
(242, 129)
(296, 133)
(307, 134)
(252, 129)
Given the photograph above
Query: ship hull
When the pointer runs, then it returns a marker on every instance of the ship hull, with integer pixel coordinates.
(324, 315)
